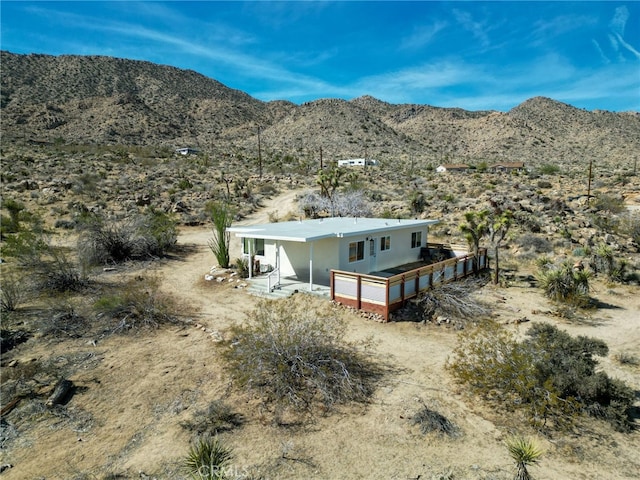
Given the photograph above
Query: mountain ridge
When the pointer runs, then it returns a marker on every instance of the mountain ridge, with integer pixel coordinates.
(98, 99)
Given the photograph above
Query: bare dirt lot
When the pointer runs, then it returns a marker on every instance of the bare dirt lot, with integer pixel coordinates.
(134, 391)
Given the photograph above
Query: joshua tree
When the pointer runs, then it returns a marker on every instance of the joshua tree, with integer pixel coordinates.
(498, 226)
(474, 229)
(525, 452)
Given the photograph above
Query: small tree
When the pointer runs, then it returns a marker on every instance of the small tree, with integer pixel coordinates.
(474, 229)
(498, 226)
(221, 214)
(525, 453)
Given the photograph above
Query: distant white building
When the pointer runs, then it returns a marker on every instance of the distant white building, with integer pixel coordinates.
(452, 167)
(186, 151)
(358, 162)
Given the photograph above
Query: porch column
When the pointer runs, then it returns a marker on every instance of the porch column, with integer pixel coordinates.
(278, 259)
(249, 262)
(311, 267)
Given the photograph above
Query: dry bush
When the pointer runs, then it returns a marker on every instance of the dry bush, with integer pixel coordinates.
(454, 301)
(13, 290)
(138, 303)
(430, 420)
(296, 358)
(218, 417)
(104, 241)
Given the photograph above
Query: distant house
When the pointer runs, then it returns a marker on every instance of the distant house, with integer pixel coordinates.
(452, 167)
(186, 151)
(507, 167)
(358, 162)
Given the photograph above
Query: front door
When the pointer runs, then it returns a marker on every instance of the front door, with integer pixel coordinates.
(372, 255)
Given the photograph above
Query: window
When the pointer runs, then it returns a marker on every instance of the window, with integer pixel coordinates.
(385, 243)
(416, 239)
(257, 247)
(356, 251)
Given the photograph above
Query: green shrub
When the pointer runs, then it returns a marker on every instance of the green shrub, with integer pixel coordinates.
(550, 374)
(242, 267)
(208, 459)
(296, 358)
(549, 169)
(565, 283)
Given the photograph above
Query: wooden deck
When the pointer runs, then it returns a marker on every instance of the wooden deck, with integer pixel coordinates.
(383, 292)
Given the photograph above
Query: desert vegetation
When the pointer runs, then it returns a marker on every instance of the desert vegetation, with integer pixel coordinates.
(107, 235)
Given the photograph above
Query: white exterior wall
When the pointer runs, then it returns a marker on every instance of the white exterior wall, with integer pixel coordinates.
(399, 253)
(295, 256)
(333, 253)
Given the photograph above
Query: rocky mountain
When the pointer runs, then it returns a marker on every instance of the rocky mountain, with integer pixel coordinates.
(103, 100)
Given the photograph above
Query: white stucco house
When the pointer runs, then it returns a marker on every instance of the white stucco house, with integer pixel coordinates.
(309, 249)
(358, 162)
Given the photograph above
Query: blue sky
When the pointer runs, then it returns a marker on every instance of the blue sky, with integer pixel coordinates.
(472, 55)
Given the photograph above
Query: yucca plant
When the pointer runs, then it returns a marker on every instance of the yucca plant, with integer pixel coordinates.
(525, 452)
(207, 459)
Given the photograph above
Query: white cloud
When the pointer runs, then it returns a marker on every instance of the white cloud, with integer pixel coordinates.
(423, 35)
(619, 20)
(476, 28)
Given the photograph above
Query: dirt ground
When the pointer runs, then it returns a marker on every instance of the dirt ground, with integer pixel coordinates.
(136, 390)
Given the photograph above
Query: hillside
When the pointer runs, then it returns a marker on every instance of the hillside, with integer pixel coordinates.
(105, 100)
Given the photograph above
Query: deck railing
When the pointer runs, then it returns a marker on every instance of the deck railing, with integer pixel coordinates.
(383, 295)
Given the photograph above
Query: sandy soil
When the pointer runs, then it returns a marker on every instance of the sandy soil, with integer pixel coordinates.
(136, 390)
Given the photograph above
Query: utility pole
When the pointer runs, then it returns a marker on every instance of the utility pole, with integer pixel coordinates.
(589, 182)
(321, 166)
(259, 155)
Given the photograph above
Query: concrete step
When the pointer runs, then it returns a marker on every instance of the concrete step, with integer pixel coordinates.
(260, 291)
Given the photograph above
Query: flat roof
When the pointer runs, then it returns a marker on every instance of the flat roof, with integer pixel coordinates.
(317, 229)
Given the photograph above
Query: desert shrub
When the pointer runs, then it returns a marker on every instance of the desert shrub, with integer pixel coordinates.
(609, 204)
(13, 290)
(627, 358)
(630, 226)
(218, 417)
(208, 459)
(106, 240)
(137, 304)
(528, 221)
(352, 203)
(221, 215)
(48, 267)
(242, 267)
(524, 452)
(549, 169)
(296, 358)
(544, 184)
(564, 283)
(550, 374)
(453, 300)
(603, 261)
(63, 319)
(536, 243)
(430, 420)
